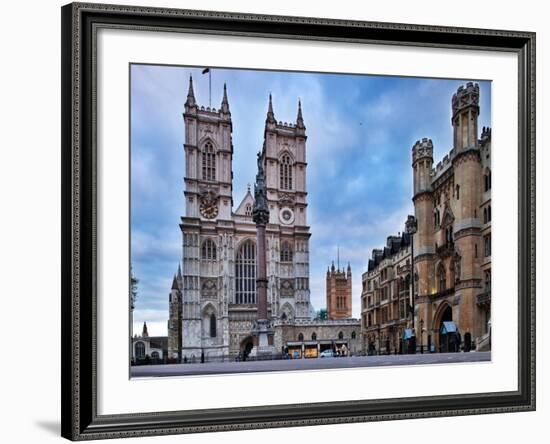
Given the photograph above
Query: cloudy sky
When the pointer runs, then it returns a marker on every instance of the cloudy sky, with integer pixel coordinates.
(360, 133)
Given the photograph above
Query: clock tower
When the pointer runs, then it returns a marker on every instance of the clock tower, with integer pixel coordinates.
(206, 226)
(208, 158)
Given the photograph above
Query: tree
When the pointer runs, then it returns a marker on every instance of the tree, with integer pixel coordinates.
(133, 289)
(322, 314)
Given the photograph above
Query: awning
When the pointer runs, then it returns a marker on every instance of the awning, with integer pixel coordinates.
(448, 327)
(407, 333)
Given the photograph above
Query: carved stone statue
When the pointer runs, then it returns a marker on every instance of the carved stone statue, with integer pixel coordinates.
(457, 259)
(260, 212)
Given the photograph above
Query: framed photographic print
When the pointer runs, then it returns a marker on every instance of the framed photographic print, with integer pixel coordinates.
(276, 221)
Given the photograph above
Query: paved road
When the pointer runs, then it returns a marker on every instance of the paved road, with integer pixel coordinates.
(210, 368)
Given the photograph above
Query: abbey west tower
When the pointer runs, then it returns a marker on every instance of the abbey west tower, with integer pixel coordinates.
(213, 299)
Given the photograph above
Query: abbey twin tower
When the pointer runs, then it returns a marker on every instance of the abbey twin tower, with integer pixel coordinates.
(213, 304)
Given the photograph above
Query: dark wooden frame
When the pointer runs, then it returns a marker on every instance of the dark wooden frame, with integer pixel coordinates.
(79, 413)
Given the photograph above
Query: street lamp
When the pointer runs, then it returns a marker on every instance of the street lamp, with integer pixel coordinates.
(421, 335)
(379, 343)
(410, 228)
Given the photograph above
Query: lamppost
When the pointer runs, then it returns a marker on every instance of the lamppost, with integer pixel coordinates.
(379, 343)
(421, 335)
(410, 228)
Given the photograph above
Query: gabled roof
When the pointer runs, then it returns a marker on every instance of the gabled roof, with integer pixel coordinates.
(248, 199)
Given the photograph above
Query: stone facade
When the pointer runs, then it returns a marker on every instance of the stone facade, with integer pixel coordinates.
(308, 338)
(452, 245)
(213, 301)
(338, 289)
(385, 296)
(149, 349)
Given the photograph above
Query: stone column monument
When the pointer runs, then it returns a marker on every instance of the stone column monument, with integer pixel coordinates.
(263, 344)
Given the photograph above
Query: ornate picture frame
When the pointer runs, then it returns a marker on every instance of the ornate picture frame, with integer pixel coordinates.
(80, 418)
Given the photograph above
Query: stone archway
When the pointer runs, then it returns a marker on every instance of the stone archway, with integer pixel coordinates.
(444, 314)
(247, 344)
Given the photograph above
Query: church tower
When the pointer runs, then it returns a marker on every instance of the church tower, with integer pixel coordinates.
(175, 319)
(208, 203)
(467, 196)
(284, 151)
(338, 290)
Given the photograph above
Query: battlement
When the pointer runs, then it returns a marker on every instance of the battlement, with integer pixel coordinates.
(422, 149)
(444, 163)
(465, 96)
(286, 125)
(485, 134)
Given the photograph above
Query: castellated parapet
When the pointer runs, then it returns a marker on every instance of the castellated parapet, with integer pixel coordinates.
(422, 153)
(422, 149)
(465, 96)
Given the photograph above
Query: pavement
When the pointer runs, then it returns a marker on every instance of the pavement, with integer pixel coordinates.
(212, 368)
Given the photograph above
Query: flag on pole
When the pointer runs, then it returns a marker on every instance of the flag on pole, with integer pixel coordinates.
(207, 71)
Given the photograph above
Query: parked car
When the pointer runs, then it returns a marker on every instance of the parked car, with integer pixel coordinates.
(327, 354)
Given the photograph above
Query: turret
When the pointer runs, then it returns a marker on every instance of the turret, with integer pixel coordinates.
(224, 109)
(190, 103)
(465, 107)
(270, 118)
(300, 127)
(422, 161)
(144, 333)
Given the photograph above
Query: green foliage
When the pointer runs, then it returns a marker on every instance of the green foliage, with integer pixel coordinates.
(133, 289)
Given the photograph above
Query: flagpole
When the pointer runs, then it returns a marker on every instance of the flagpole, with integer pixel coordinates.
(210, 88)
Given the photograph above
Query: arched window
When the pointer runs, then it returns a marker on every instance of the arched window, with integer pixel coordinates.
(248, 210)
(457, 192)
(301, 337)
(353, 335)
(212, 325)
(245, 274)
(286, 172)
(155, 355)
(314, 336)
(441, 278)
(208, 250)
(286, 252)
(487, 180)
(208, 162)
(140, 350)
(341, 335)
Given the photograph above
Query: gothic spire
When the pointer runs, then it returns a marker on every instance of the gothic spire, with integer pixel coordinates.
(225, 102)
(175, 283)
(270, 115)
(190, 94)
(179, 272)
(300, 119)
(144, 332)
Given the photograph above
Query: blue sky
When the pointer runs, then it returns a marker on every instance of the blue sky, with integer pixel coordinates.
(360, 133)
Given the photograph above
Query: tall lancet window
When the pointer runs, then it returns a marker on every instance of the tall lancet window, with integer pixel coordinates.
(286, 172)
(208, 250)
(208, 162)
(245, 274)
(286, 252)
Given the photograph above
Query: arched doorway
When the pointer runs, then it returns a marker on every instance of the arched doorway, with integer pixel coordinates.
(246, 347)
(444, 339)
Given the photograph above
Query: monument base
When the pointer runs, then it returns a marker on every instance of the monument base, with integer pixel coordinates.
(263, 349)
